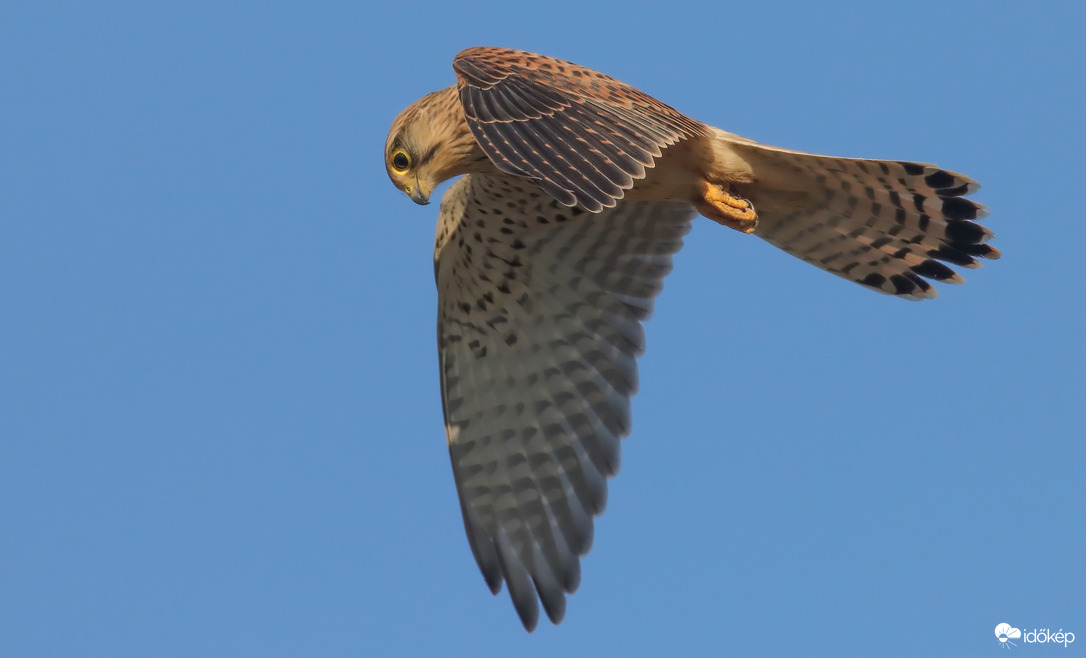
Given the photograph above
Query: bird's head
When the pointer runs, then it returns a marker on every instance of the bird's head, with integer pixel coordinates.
(428, 144)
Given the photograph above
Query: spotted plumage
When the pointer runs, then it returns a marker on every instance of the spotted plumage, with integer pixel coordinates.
(552, 248)
(538, 328)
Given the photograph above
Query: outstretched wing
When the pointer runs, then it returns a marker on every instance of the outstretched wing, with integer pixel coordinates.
(580, 135)
(539, 325)
(887, 225)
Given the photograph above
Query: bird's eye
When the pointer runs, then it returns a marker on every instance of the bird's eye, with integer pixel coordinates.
(401, 161)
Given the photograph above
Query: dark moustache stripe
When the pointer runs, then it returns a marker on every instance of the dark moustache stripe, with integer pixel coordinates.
(428, 155)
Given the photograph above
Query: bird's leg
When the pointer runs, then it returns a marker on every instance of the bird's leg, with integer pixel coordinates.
(723, 208)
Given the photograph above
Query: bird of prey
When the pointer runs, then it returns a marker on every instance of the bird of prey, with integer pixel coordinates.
(552, 247)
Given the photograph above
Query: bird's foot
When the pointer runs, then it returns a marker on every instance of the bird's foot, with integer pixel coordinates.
(723, 208)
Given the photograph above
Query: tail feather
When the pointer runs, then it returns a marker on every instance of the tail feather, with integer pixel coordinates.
(887, 225)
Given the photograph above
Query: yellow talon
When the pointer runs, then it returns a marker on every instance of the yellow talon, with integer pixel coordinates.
(723, 208)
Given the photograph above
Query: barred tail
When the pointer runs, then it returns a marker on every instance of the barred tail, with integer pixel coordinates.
(887, 225)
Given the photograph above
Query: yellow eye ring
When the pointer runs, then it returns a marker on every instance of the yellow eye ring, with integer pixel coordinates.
(401, 161)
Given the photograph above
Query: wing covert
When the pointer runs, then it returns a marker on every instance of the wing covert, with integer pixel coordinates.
(580, 135)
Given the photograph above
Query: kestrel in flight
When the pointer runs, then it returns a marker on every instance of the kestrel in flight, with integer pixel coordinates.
(551, 249)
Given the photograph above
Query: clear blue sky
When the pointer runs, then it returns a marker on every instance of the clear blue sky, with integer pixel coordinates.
(220, 425)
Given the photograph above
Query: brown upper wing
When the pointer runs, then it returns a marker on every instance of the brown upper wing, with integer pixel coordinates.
(580, 135)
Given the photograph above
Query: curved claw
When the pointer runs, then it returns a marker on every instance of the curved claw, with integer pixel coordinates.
(723, 208)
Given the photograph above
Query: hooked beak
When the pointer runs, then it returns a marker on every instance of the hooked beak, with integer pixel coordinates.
(418, 193)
